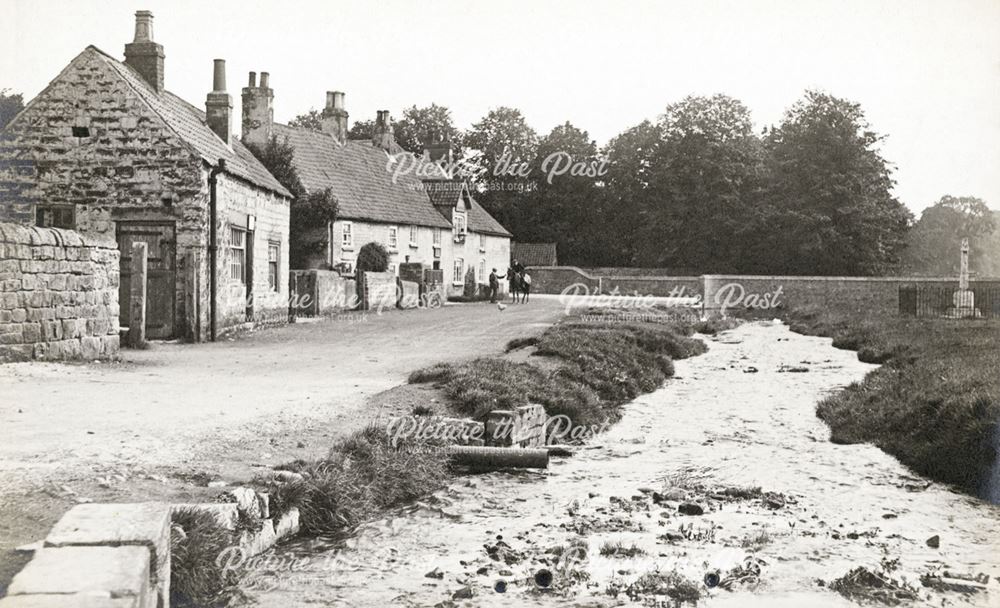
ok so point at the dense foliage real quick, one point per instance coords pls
(373, 257)
(310, 212)
(10, 105)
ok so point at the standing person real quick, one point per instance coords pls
(494, 286)
(526, 284)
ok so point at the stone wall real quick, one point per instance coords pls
(652, 285)
(554, 279)
(58, 294)
(857, 294)
(377, 290)
(317, 293)
(522, 427)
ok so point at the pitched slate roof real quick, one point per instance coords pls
(534, 254)
(358, 174)
(189, 124)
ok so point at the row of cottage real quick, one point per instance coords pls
(106, 149)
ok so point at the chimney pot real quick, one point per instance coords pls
(143, 26)
(338, 100)
(219, 76)
(253, 80)
(265, 80)
(329, 99)
(219, 105)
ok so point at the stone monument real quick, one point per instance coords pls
(963, 301)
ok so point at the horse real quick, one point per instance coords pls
(516, 283)
(518, 286)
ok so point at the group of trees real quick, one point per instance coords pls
(695, 191)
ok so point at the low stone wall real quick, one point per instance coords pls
(376, 290)
(652, 286)
(859, 294)
(554, 279)
(317, 293)
(58, 294)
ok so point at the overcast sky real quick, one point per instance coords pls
(927, 73)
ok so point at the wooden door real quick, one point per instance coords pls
(160, 274)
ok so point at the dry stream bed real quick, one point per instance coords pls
(720, 485)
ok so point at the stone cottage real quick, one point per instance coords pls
(106, 149)
(421, 216)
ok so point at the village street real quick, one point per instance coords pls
(150, 426)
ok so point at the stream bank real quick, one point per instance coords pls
(734, 434)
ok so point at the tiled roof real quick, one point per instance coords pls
(189, 123)
(358, 174)
(444, 195)
(534, 254)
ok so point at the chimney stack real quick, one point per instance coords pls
(258, 110)
(334, 116)
(219, 105)
(438, 151)
(382, 136)
(143, 55)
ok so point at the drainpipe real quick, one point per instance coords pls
(213, 246)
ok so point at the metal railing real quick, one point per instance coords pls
(937, 301)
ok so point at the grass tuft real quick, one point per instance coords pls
(197, 578)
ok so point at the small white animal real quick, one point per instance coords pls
(501, 306)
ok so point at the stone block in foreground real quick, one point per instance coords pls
(102, 572)
(142, 524)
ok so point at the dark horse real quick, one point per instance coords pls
(518, 286)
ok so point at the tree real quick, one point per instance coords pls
(629, 196)
(10, 105)
(933, 243)
(310, 213)
(361, 129)
(312, 120)
(698, 183)
(567, 201)
(419, 126)
(496, 147)
(830, 188)
(373, 257)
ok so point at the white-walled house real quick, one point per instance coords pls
(433, 221)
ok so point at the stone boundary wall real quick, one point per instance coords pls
(118, 555)
(318, 293)
(58, 294)
(522, 427)
(861, 294)
(376, 290)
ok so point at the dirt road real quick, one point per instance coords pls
(147, 427)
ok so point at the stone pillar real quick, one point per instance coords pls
(137, 297)
(192, 316)
(963, 267)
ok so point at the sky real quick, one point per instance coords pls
(927, 73)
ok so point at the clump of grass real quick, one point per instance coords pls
(197, 577)
(864, 585)
(619, 549)
(935, 402)
(363, 475)
(756, 540)
(422, 410)
(715, 325)
(672, 584)
(602, 365)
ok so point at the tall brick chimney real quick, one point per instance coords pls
(382, 136)
(219, 105)
(438, 151)
(258, 110)
(334, 116)
(144, 55)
